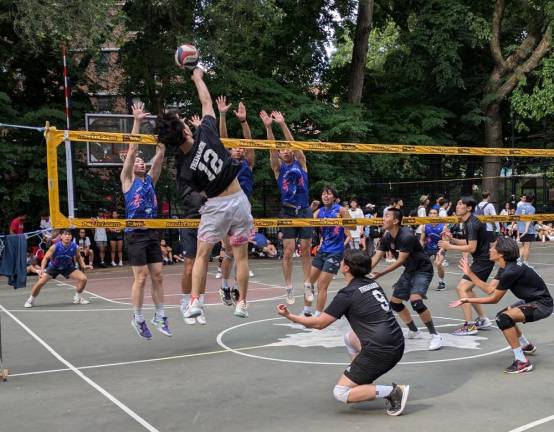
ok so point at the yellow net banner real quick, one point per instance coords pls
(57, 136)
(61, 221)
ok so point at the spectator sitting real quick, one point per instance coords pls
(167, 253)
(262, 245)
(83, 242)
(32, 263)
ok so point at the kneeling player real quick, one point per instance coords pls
(535, 299)
(376, 342)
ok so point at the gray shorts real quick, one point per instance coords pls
(412, 283)
(228, 215)
(101, 243)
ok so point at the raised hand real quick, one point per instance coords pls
(241, 112)
(278, 117)
(222, 106)
(266, 119)
(195, 121)
(138, 111)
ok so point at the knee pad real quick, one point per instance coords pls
(418, 306)
(351, 350)
(341, 393)
(397, 307)
(504, 321)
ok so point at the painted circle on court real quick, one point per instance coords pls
(239, 351)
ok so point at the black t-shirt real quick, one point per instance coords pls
(208, 166)
(474, 229)
(366, 308)
(406, 241)
(524, 282)
(189, 201)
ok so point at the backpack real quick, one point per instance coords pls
(481, 210)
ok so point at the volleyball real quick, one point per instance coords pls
(186, 56)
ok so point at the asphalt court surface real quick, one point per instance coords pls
(82, 367)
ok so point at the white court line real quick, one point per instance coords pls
(81, 375)
(136, 361)
(533, 424)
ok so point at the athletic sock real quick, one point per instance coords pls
(307, 309)
(441, 280)
(317, 313)
(518, 354)
(185, 299)
(201, 298)
(431, 327)
(160, 311)
(523, 340)
(382, 391)
(139, 317)
(225, 283)
(412, 326)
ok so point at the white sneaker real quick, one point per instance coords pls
(189, 321)
(218, 275)
(414, 335)
(114, 264)
(309, 293)
(120, 264)
(436, 342)
(290, 295)
(28, 303)
(241, 310)
(193, 310)
(77, 299)
(250, 273)
(483, 323)
(201, 319)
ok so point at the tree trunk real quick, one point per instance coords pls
(493, 138)
(364, 23)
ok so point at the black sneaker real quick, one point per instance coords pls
(235, 295)
(529, 349)
(441, 287)
(307, 313)
(518, 367)
(396, 401)
(103, 265)
(225, 295)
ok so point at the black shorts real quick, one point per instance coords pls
(55, 271)
(143, 247)
(482, 269)
(371, 363)
(527, 238)
(189, 241)
(296, 233)
(115, 236)
(533, 311)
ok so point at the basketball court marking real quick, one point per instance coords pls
(220, 342)
(81, 375)
(533, 424)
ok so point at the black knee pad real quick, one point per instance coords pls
(504, 321)
(418, 306)
(397, 307)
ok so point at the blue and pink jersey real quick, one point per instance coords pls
(293, 184)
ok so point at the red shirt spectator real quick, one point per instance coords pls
(16, 227)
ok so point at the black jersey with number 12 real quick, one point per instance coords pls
(208, 166)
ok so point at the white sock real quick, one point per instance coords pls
(523, 340)
(317, 313)
(31, 299)
(382, 391)
(441, 280)
(225, 283)
(160, 311)
(201, 298)
(139, 317)
(308, 309)
(518, 354)
(185, 299)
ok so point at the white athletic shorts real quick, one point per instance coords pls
(228, 215)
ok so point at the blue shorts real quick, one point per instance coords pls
(189, 241)
(55, 271)
(412, 283)
(296, 232)
(327, 262)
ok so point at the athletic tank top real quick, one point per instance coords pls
(63, 256)
(333, 237)
(432, 237)
(140, 200)
(293, 184)
(246, 178)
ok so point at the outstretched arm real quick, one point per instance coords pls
(274, 160)
(203, 92)
(241, 116)
(222, 107)
(157, 162)
(298, 154)
(320, 322)
(127, 171)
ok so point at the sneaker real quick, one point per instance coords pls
(120, 264)
(289, 294)
(193, 310)
(445, 263)
(142, 329)
(309, 293)
(103, 264)
(28, 304)
(240, 310)
(114, 264)
(162, 325)
(307, 312)
(225, 295)
(529, 349)
(483, 323)
(201, 319)
(235, 295)
(250, 273)
(189, 321)
(436, 342)
(518, 367)
(467, 329)
(77, 299)
(414, 335)
(218, 275)
(396, 401)
(441, 287)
